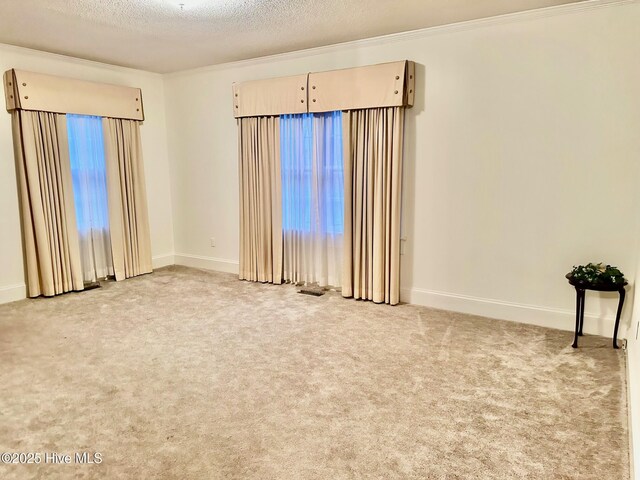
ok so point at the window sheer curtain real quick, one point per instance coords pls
(312, 197)
(51, 250)
(86, 151)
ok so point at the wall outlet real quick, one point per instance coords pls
(403, 242)
(212, 240)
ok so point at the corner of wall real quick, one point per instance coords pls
(633, 373)
(164, 260)
(633, 379)
(13, 293)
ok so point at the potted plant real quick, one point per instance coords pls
(596, 275)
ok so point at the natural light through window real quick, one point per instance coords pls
(86, 150)
(312, 173)
(88, 171)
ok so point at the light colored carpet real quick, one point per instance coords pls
(188, 374)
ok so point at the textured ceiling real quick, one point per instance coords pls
(156, 35)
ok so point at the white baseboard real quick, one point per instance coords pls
(208, 263)
(12, 293)
(521, 313)
(633, 382)
(163, 260)
(515, 312)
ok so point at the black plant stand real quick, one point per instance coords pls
(581, 287)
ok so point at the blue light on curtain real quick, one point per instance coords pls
(312, 172)
(296, 164)
(312, 197)
(330, 165)
(86, 151)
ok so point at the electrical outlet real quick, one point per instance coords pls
(403, 241)
(213, 241)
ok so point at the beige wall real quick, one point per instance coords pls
(522, 158)
(154, 146)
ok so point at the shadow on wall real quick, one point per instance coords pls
(609, 306)
(407, 228)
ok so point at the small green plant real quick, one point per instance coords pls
(596, 274)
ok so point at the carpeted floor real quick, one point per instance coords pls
(188, 374)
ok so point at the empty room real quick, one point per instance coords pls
(309, 240)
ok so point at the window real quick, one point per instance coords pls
(312, 173)
(312, 197)
(86, 151)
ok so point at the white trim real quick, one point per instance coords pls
(208, 263)
(534, 14)
(12, 293)
(633, 395)
(515, 312)
(163, 260)
(77, 60)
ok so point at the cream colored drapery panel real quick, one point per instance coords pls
(373, 180)
(260, 199)
(51, 249)
(128, 214)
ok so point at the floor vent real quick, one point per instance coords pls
(315, 291)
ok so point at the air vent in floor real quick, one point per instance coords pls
(311, 290)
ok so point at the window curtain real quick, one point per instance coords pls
(260, 199)
(373, 180)
(86, 151)
(312, 196)
(51, 249)
(128, 215)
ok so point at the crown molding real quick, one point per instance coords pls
(5, 47)
(540, 13)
